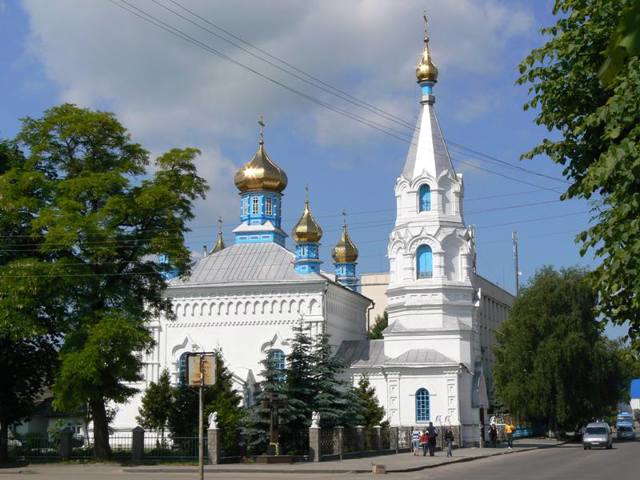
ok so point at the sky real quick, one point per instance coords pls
(171, 93)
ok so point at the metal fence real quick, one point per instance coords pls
(157, 447)
(327, 441)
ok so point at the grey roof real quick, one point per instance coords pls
(428, 150)
(370, 353)
(246, 263)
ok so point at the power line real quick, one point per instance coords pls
(144, 15)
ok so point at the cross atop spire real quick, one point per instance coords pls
(426, 35)
(262, 125)
(219, 224)
(344, 217)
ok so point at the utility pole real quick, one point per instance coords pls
(514, 237)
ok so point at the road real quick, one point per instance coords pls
(564, 462)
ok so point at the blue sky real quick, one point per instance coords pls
(171, 93)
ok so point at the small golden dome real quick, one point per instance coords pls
(261, 173)
(426, 71)
(307, 229)
(345, 251)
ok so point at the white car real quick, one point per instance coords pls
(597, 434)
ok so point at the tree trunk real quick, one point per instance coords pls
(4, 442)
(101, 447)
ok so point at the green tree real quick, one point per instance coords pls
(271, 390)
(157, 402)
(595, 135)
(330, 396)
(26, 369)
(221, 398)
(381, 322)
(96, 228)
(553, 363)
(372, 411)
(298, 388)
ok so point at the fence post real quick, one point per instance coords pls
(359, 438)
(214, 445)
(314, 444)
(338, 441)
(65, 443)
(393, 438)
(378, 430)
(137, 444)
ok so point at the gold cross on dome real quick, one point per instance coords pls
(219, 224)
(344, 217)
(262, 125)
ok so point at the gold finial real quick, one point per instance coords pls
(345, 250)
(307, 229)
(220, 241)
(426, 71)
(262, 125)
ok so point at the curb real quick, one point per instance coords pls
(178, 470)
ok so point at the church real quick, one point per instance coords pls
(433, 363)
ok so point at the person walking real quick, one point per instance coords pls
(448, 437)
(415, 441)
(509, 428)
(493, 435)
(424, 442)
(433, 435)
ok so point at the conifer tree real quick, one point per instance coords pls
(157, 403)
(298, 387)
(369, 407)
(271, 388)
(381, 322)
(331, 392)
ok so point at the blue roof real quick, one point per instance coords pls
(635, 388)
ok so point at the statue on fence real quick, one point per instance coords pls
(315, 419)
(213, 421)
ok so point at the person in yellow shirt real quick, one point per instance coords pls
(509, 428)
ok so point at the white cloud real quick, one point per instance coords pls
(170, 93)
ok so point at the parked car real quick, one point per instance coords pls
(597, 434)
(625, 432)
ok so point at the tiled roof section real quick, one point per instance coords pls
(428, 150)
(370, 353)
(246, 263)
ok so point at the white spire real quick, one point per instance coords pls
(428, 151)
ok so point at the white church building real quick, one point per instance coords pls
(245, 298)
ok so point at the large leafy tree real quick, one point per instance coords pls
(553, 363)
(28, 339)
(96, 228)
(585, 83)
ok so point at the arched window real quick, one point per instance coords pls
(422, 405)
(182, 368)
(277, 361)
(424, 262)
(425, 198)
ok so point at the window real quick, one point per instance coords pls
(268, 209)
(277, 362)
(245, 206)
(182, 368)
(256, 205)
(424, 262)
(424, 195)
(422, 405)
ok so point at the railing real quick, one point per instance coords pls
(171, 448)
(327, 442)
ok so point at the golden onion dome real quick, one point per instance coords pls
(345, 251)
(426, 71)
(307, 229)
(260, 173)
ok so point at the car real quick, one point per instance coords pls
(625, 432)
(597, 434)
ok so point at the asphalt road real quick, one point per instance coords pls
(564, 462)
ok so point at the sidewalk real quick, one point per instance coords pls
(403, 462)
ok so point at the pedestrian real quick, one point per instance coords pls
(448, 437)
(424, 442)
(493, 435)
(433, 434)
(415, 441)
(509, 428)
